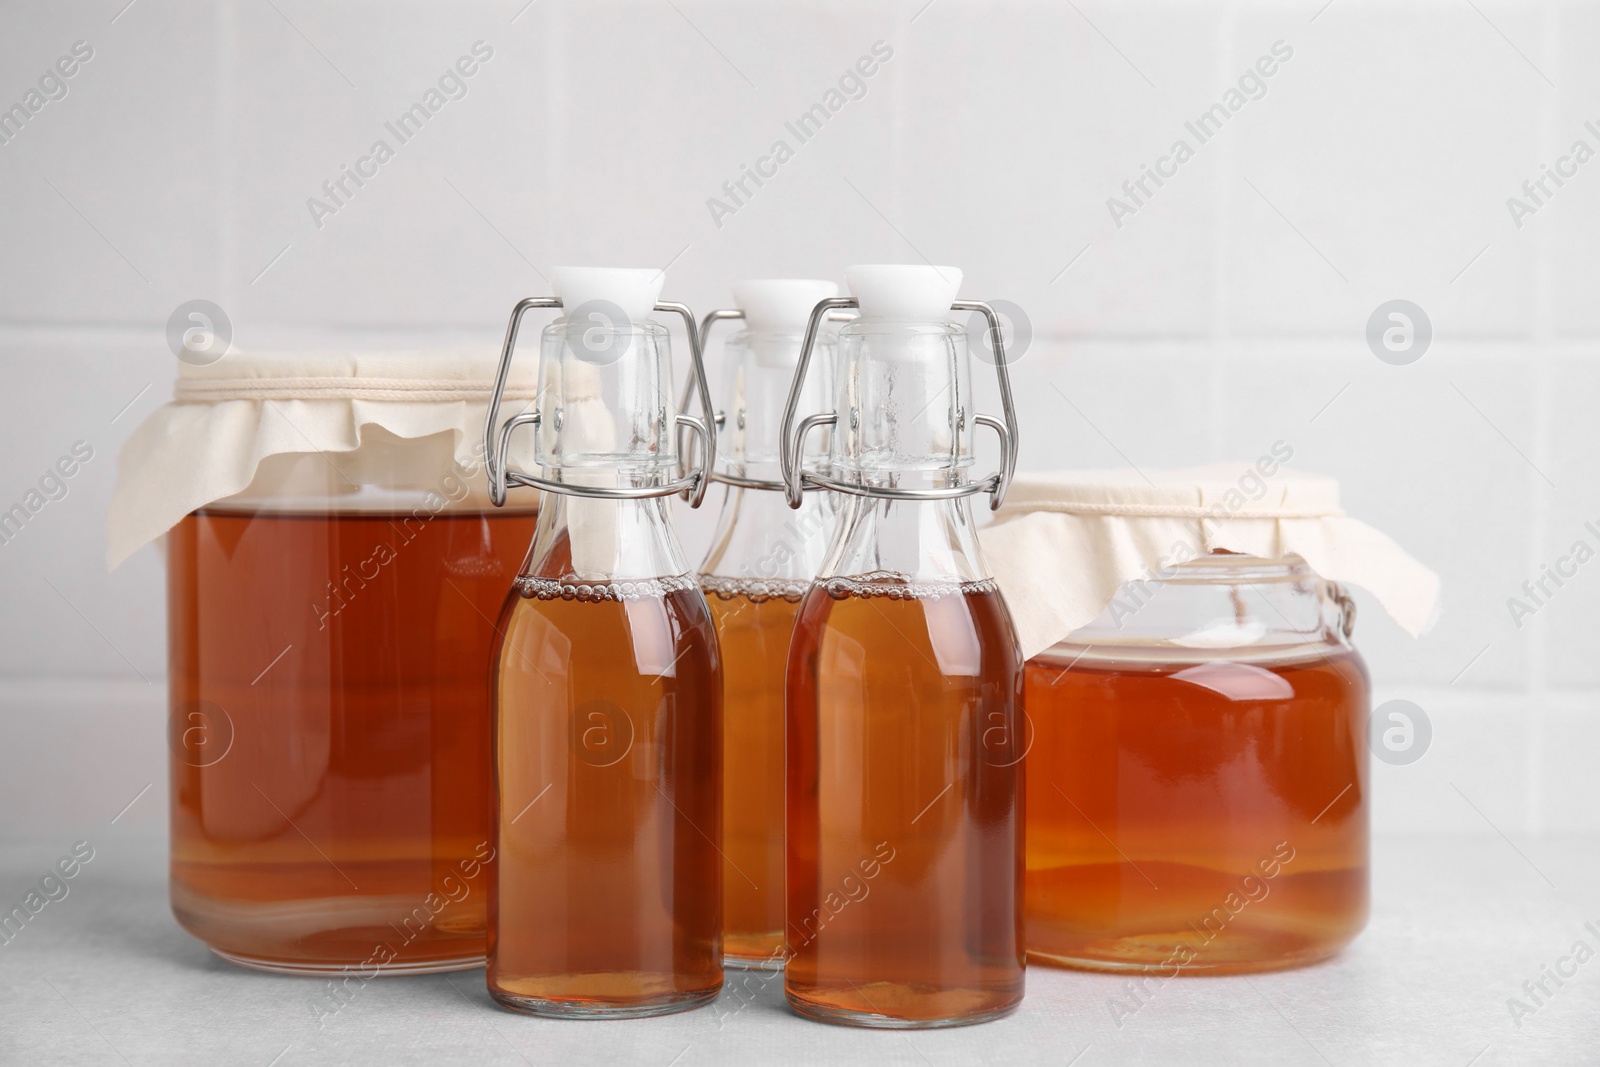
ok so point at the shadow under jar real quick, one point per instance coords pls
(1197, 790)
(331, 630)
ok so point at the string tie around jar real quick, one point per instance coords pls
(398, 390)
(1184, 511)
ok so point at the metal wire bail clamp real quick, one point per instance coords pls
(692, 484)
(796, 479)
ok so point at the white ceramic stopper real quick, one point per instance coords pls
(780, 305)
(904, 292)
(634, 290)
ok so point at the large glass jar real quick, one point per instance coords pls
(1197, 787)
(330, 636)
(335, 573)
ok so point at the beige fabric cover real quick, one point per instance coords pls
(1065, 542)
(226, 418)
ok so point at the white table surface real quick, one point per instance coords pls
(106, 976)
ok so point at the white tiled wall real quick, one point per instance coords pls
(1226, 313)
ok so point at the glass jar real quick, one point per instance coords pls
(1197, 789)
(330, 636)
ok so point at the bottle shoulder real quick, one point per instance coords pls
(959, 628)
(646, 625)
(758, 536)
(624, 590)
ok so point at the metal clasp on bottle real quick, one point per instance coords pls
(796, 479)
(692, 484)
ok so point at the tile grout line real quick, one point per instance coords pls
(225, 106)
(1537, 680)
(1543, 403)
(1323, 344)
(557, 131)
(899, 90)
(1221, 316)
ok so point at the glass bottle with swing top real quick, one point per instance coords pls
(606, 901)
(904, 688)
(760, 563)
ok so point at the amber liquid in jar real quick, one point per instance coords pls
(330, 733)
(754, 620)
(1202, 816)
(607, 755)
(905, 794)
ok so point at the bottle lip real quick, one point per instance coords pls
(772, 350)
(780, 334)
(890, 327)
(602, 343)
(635, 326)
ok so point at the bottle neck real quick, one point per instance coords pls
(760, 537)
(760, 369)
(903, 402)
(606, 414)
(585, 540)
(922, 541)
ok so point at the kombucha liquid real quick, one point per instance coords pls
(754, 620)
(607, 755)
(905, 794)
(1219, 804)
(329, 730)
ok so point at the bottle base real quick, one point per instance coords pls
(549, 1008)
(753, 951)
(772, 964)
(393, 969)
(870, 1020)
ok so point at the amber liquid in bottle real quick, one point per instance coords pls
(607, 755)
(754, 622)
(1209, 816)
(905, 804)
(330, 733)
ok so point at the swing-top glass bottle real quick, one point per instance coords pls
(759, 566)
(905, 787)
(606, 896)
